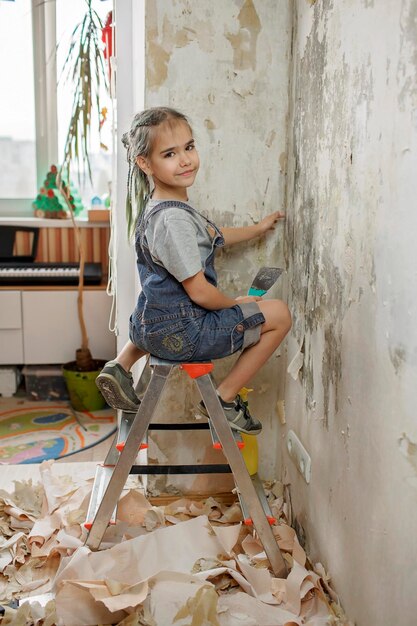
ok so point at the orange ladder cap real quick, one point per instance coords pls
(87, 525)
(195, 370)
(218, 445)
(120, 446)
(249, 522)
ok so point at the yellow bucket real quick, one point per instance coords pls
(250, 453)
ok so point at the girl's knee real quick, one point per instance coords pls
(277, 315)
(284, 315)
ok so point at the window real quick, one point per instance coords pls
(32, 137)
(17, 102)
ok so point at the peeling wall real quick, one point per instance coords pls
(226, 65)
(352, 258)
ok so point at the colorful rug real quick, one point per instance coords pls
(32, 432)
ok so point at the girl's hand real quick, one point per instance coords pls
(248, 298)
(268, 222)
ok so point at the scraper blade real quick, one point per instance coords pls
(264, 280)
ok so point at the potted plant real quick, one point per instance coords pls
(86, 69)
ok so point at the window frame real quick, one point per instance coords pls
(46, 116)
(44, 47)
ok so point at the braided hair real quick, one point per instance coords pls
(138, 142)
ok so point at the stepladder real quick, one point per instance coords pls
(120, 462)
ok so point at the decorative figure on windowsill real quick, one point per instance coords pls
(50, 202)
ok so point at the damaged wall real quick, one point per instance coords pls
(226, 66)
(352, 260)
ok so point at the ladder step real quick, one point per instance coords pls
(216, 441)
(247, 520)
(180, 426)
(209, 468)
(126, 425)
(101, 480)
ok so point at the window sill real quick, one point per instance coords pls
(40, 222)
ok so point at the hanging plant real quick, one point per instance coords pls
(85, 68)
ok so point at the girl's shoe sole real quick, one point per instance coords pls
(114, 394)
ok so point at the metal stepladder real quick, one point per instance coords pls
(111, 477)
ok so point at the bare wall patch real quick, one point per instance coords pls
(409, 449)
(245, 40)
(398, 356)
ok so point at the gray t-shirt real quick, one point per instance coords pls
(178, 240)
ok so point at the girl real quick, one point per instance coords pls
(181, 315)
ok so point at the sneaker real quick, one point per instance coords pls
(238, 416)
(116, 386)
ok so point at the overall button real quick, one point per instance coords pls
(240, 328)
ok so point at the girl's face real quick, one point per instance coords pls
(173, 162)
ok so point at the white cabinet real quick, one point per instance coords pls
(11, 333)
(39, 326)
(10, 310)
(11, 347)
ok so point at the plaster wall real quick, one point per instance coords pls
(352, 259)
(226, 66)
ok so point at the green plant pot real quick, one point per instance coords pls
(82, 389)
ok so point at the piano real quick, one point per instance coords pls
(49, 273)
(23, 270)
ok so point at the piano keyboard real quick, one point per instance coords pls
(48, 273)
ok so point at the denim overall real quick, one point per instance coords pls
(169, 325)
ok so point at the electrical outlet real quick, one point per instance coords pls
(299, 455)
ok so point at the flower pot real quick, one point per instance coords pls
(83, 392)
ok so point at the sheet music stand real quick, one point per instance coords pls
(8, 240)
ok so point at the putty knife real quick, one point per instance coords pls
(264, 280)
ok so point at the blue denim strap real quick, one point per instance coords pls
(166, 204)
